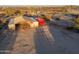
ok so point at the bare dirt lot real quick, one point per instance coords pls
(45, 39)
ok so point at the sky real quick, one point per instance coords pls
(39, 2)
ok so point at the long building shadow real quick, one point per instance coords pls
(44, 45)
(59, 40)
(6, 44)
(64, 44)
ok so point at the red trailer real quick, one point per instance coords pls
(41, 21)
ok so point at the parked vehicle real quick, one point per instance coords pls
(70, 22)
(65, 21)
(11, 25)
(31, 22)
(41, 21)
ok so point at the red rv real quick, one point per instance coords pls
(40, 20)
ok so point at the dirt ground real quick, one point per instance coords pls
(43, 40)
(24, 42)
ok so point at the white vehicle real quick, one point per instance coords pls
(11, 24)
(23, 22)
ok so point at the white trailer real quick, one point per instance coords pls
(23, 21)
(11, 24)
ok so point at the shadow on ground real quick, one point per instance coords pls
(44, 46)
(60, 44)
(64, 41)
(7, 43)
